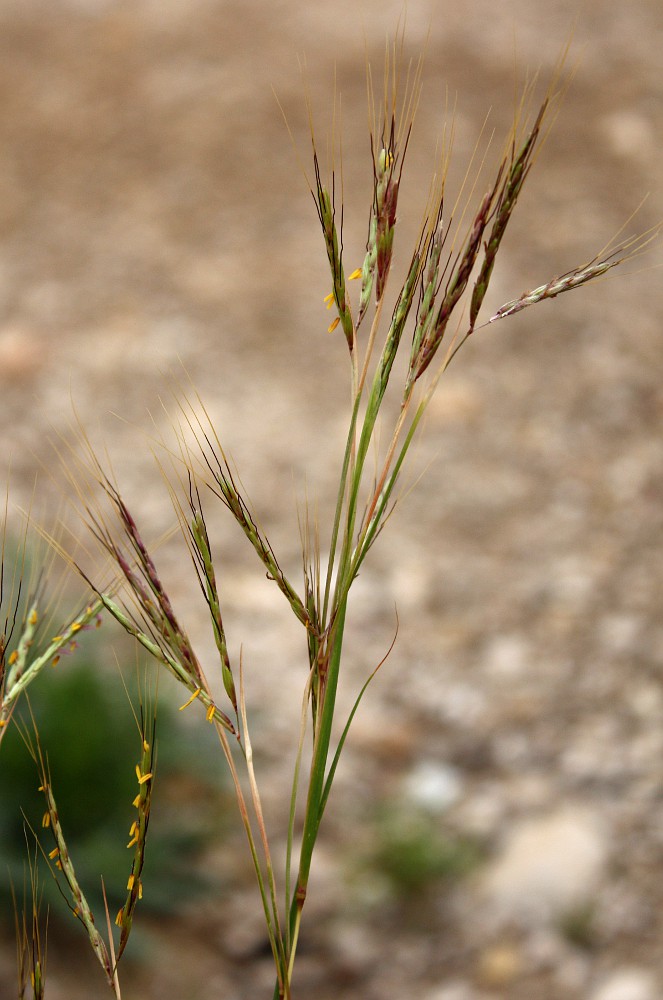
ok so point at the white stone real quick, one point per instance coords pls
(628, 984)
(629, 133)
(457, 990)
(433, 786)
(507, 656)
(548, 866)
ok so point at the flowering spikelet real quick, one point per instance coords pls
(31, 655)
(60, 854)
(138, 835)
(162, 615)
(564, 283)
(324, 202)
(386, 199)
(429, 288)
(515, 178)
(458, 281)
(207, 578)
(398, 320)
(225, 488)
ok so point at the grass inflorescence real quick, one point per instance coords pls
(436, 309)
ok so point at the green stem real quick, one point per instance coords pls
(316, 797)
(349, 446)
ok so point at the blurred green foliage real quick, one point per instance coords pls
(578, 926)
(90, 739)
(414, 852)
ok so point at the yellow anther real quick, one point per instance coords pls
(54, 853)
(119, 918)
(332, 326)
(209, 714)
(13, 657)
(76, 627)
(46, 820)
(192, 698)
(130, 883)
(355, 274)
(32, 620)
(329, 300)
(385, 160)
(142, 778)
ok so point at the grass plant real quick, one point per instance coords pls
(433, 313)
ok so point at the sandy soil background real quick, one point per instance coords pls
(153, 216)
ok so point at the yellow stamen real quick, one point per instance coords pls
(385, 160)
(192, 698)
(76, 627)
(13, 657)
(32, 620)
(56, 660)
(329, 300)
(134, 840)
(332, 326)
(146, 746)
(142, 778)
(136, 801)
(355, 274)
(130, 883)
(57, 638)
(118, 920)
(140, 890)
(3, 722)
(46, 820)
(209, 714)
(133, 828)
(54, 853)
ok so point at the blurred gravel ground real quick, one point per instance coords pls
(152, 217)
